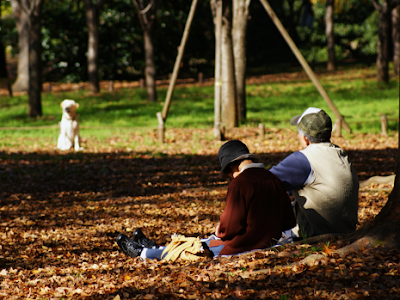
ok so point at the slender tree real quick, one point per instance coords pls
(382, 60)
(216, 10)
(239, 26)
(228, 90)
(330, 38)
(396, 38)
(35, 60)
(3, 62)
(21, 18)
(31, 12)
(147, 16)
(92, 21)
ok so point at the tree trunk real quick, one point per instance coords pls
(330, 39)
(150, 69)
(92, 21)
(228, 90)
(382, 58)
(239, 26)
(3, 62)
(216, 10)
(147, 15)
(396, 38)
(22, 23)
(35, 65)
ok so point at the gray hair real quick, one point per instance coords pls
(312, 139)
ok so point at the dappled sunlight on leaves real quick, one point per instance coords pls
(60, 213)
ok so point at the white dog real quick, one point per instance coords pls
(69, 126)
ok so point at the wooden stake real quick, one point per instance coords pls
(262, 131)
(384, 125)
(161, 128)
(337, 128)
(200, 78)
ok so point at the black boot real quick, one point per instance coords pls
(140, 238)
(129, 246)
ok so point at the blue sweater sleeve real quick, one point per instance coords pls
(293, 171)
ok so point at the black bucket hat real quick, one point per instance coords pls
(232, 151)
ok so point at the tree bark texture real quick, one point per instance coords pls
(239, 27)
(330, 38)
(382, 58)
(92, 21)
(150, 69)
(3, 62)
(21, 18)
(147, 15)
(396, 38)
(216, 10)
(228, 90)
(35, 62)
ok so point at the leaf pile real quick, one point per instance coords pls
(60, 213)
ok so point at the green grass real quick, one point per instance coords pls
(354, 92)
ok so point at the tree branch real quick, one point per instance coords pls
(140, 16)
(146, 9)
(377, 6)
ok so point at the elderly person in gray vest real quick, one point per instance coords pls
(321, 179)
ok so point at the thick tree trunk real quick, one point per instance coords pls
(35, 65)
(239, 26)
(92, 21)
(150, 69)
(330, 38)
(228, 90)
(382, 58)
(396, 38)
(21, 18)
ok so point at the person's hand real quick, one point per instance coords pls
(217, 230)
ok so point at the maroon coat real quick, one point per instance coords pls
(257, 211)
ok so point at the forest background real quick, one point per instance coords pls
(121, 56)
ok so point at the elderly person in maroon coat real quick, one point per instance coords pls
(257, 209)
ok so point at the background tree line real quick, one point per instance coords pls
(121, 31)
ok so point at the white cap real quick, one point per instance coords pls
(296, 119)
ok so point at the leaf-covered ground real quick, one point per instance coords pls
(61, 212)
